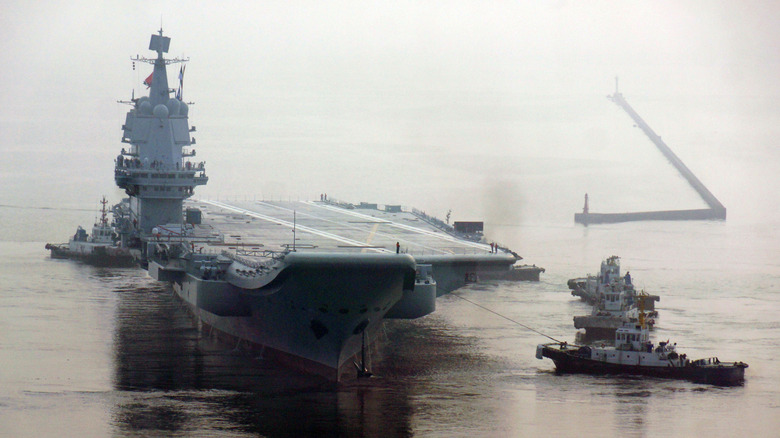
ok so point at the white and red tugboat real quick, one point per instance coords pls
(634, 354)
(101, 248)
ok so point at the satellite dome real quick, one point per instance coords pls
(173, 106)
(145, 108)
(160, 111)
(184, 109)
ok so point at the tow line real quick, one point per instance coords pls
(506, 318)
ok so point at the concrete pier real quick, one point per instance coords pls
(716, 210)
(662, 215)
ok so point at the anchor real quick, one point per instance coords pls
(362, 370)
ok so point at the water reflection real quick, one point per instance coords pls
(171, 378)
(633, 397)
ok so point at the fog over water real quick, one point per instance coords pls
(440, 105)
(494, 110)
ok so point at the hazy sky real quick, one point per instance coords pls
(722, 47)
(67, 62)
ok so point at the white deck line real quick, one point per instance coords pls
(442, 236)
(373, 220)
(291, 225)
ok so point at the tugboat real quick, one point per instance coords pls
(615, 308)
(99, 248)
(591, 289)
(634, 354)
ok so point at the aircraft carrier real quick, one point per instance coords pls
(307, 283)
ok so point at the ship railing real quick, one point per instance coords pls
(265, 253)
(175, 177)
(205, 251)
(707, 361)
(453, 250)
(256, 264)
(436, 222)
(134, 171)
(338, 203)
(135, 164)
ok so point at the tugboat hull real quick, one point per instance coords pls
(101, 256)
(515, 273)
(572, 359)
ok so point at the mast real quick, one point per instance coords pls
(641, 296)
(158, 93)
(103, 217)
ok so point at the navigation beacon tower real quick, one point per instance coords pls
(156, 171)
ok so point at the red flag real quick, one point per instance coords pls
(148, 81)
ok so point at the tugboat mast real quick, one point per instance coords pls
(103, 217)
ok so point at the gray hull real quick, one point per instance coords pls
(454, 271)
(311, 316)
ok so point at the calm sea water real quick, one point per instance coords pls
(88, 351)
(109, 352)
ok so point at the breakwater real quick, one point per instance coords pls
(716, 210)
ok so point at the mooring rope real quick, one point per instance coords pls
(507, 318)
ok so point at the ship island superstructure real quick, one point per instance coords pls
(156, 171)
(308, 283)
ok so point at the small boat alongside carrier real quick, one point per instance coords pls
(99, 248)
